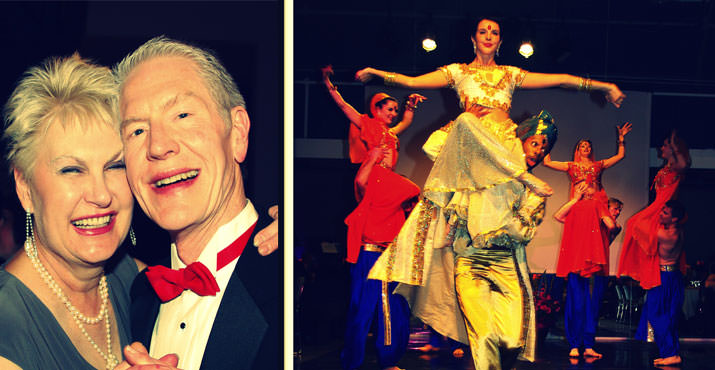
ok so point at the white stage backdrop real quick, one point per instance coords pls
(577, 116)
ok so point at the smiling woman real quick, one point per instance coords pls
(62, 305)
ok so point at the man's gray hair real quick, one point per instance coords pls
(218, 81)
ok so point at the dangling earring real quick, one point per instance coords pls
(474, 45)
(498, 47)
(30, 235)
(132, 236)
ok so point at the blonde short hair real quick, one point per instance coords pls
(68, 90)
(218, 81)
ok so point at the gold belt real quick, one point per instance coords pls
(373, 247)
(667, 268)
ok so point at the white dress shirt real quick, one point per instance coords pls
(184, 323)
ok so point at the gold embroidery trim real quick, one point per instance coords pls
(448, 76)
(418, 249)
(372, 247)
(386, 314)
(667, 268)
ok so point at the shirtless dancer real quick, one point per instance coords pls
(664, 301)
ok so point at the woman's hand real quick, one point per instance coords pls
(364, 75)
(671, 139)
(266, 240)
(623, 130)
(615, 96)
(327, 72)
(414, 99)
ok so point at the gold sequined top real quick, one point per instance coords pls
(490, 86)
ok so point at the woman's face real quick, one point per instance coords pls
(387, 113)
(488, 37)
(665, 150)
(534, 147)
(79, 193)
(584, 149)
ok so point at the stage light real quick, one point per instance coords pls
(429, 43)
(526, 49)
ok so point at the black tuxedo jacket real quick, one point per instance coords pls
(247, 331)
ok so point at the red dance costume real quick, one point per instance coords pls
(639, 257)
(584, 244)
(380, 214)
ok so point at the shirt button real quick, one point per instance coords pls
(182, 325)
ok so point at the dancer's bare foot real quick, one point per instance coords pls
(458, 353)
(589, 352)
(573, 361)
(574, 352)
(536, 185)
(428, 348)
(672, 360)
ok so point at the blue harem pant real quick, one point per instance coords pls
(662, 309)
(581, 311)
(366, 304)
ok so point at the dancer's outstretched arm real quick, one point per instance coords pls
(622, 131)
(543, 80)
(350, 112)
(432, 80)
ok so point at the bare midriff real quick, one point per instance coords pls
(494, 114)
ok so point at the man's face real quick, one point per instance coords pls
(615, 210)
(182, 159)
(534, 147)
(666, 216)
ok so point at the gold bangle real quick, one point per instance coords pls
(580, 83)
(410, 106)
(390, 79)
(588, 85)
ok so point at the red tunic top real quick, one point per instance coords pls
(380, 214)
(639, 257)
(584, 244)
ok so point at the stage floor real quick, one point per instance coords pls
(618, 353)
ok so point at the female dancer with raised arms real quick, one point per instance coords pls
(474, 191)
(381, 196)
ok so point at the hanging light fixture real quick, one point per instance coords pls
(429, 43)
(526, 49)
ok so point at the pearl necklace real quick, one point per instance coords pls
(79, 318)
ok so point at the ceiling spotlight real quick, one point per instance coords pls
(526, 49)
(429, 43)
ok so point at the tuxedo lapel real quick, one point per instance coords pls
(144, 309)
(240, 326)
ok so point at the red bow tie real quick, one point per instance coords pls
(169, 283)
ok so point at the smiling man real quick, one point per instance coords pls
(185, 131)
